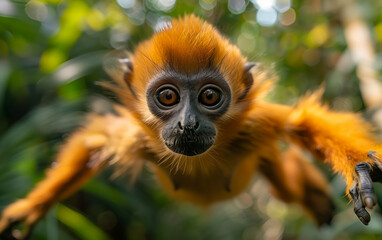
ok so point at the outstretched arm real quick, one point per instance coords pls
(71, 171)
(341, 139)
(344, 140)
(81, 157)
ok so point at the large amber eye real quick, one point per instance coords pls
(168, 97)
(210, 97)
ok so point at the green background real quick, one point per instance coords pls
(51, 58)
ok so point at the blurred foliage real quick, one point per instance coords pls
(50, 59)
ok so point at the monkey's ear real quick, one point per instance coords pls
(127, 62)
(247, 79)
(119, 67)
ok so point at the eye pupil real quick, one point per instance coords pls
(168, 95)
(209, 94)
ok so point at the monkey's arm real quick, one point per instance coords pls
(342, 139)
(294, 179)
(71, 171)
(82, 156)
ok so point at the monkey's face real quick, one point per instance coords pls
(188, 105)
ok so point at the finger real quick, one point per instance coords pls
(359, 208)
(365, 185)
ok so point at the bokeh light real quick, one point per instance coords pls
(236, 6)
(166, 5)
(162, 5)
(266, 17)
(48, 41)
(36, 10)
(317, 36)
(126, 3)
(288, 18)
(378, 32)
(282, 5)
(270, 10)
(208, 4)
(136, 14)
(264, 4)
(6, 8)
(119, 36)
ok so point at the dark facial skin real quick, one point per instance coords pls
(189, 105)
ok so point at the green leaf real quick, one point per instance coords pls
(79, 224)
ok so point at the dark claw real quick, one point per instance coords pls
(362, 191)
(365, 184)
(359, 207)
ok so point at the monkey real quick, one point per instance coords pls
(192, 108)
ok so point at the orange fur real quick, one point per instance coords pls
(295, 179)
(341, 139)
(246, 142)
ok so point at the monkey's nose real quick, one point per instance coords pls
(188, 126)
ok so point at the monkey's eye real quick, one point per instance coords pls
(210, 97)
(167, 97)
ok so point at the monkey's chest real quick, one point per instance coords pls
(204, 188)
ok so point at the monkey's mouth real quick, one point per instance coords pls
(190, 147)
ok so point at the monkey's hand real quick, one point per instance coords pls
(23, 211)
(362, 191)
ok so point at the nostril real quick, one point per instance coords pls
(180, 126)
(196, 126)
